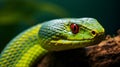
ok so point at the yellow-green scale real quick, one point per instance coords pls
(23, 50)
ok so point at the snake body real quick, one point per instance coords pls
(53, 35)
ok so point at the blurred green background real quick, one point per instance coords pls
(18, 15)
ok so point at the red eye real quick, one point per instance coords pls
(74, 28)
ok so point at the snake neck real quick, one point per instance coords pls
(21, 48)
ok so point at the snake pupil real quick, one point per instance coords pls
(74, 28)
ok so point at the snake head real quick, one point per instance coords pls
(70, 33)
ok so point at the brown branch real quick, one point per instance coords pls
(105, 54)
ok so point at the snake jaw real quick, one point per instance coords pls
(59, 45)
(76, 43)
(67, 42)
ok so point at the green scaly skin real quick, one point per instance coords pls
(54, 35)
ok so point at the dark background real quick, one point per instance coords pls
(18, 15)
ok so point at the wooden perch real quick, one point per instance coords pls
(104, 54)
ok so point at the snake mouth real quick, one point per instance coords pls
(58, 45)
(65, 41)
(71, 42)
(66, 44)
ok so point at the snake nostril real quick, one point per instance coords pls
(93, 32)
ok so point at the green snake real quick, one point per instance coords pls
(54, 35)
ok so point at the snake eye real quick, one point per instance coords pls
(74, 28)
